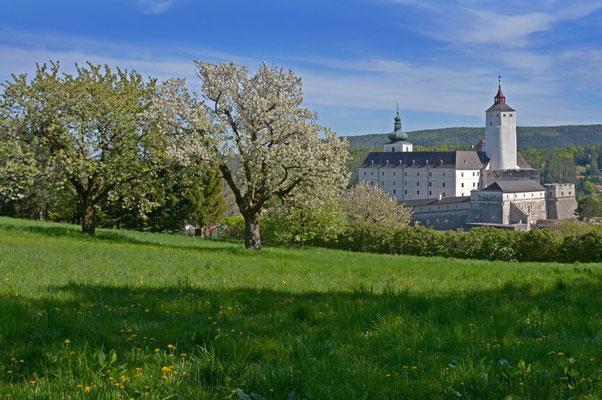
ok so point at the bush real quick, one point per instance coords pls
(539, 245)
(233, 228)
(583, 248)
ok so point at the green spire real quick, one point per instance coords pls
(397, 135)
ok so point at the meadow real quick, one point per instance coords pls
(149, 316)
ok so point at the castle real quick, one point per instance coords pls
(491, 185)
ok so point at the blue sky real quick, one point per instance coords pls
(439, 60)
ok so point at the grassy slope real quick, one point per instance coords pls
(324, 323)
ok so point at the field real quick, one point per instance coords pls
(147, 316)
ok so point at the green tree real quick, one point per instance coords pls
(588, 207)
(88, 132)
(589, 187)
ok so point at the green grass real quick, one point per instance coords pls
(201, 319)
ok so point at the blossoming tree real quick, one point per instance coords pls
(83, 131)
(254, 128)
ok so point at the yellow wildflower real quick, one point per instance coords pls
(67, 341)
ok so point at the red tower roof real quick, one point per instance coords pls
(499, 101)
(499, 97)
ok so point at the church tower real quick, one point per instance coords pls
(500, 133)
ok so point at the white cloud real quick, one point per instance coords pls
(155, 6)
(508, 24)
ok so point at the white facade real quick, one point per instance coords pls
(500, 139)
(422, 183)
(398, 146)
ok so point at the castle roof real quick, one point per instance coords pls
(500, 107)
(435, 201)
(514, 187)
(426, 159)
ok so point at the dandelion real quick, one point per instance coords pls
(79, 386)
(166, 369)
(560, 353)
(157, 350)
(9, 372)
(387, 375)
(171, 346)
(67, 341)
(284, 282)
(32, 382)
(228, 379)
(183, 355)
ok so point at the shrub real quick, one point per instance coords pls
(233, 228)
(539, 245)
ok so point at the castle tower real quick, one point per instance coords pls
(500, 133)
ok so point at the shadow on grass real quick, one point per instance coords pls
(341, 340)
(122, 236)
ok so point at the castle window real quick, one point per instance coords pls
(474, 184)
(569, 193)
(406, 173)
(406, 183)
(430, 173)
(394, 191)
(364, 173)
(497, 115)
(418, 192)
(394, 173)
(392, 148)
(443, 184)
(490, 123)
(417, 183)
(462, 173)
(444, 174)
(472, 173)
(371, 173)
(504, 115)
(430, 194)
(372, 183)
(417, 173)
(393, 183)
(462, 184)
(430, 184)
(405, 192)
(562, 193)
(443, 194)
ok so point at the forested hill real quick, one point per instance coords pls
(536, 137)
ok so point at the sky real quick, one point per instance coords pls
(438, 60)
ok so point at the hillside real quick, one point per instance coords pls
(138, 315)
(544, 137)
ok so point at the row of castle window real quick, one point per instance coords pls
(430, 184)
(418, 173)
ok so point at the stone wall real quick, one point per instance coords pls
(560, 201)
(443, 220)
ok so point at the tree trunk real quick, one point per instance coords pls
(252, 238)
(89, 221)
